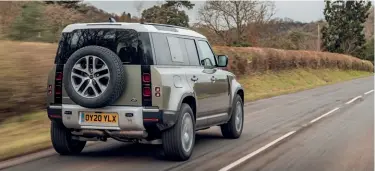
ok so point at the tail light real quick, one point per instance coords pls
(146, 91)
(146, 85)
(146, 78)
(58, 90)
(58, 84)
(59, 76)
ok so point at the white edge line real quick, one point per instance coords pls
(324, 115)
(355, 98)
(33, 156)
(369, 92)
(247, 157)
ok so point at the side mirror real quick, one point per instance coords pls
(222, 60)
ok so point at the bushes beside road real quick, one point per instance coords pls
(252, 60)
(24, 67)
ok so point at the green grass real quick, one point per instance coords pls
(24, 134)
(273, 84)
(30, 132)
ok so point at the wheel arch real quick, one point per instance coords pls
(238, 91)
(189, 98)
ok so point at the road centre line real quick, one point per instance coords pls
(324, 115)
(249, 156)
(254, 153)
(355, 98)
(369, 92)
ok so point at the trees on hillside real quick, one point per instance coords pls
(168, 13)
(224, 16)
(66, 4)
(369, 50)
(29, 24)
(56, 21)
(344, 32)
(9, 10)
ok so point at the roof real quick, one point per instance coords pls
(147, 27)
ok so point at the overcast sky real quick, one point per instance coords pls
(304, 11)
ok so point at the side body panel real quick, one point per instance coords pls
(217, 104)
(200, 84)
(176, 84)
(221, 98)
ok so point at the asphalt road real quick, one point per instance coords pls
(342, 140)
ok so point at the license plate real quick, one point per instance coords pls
(93, 117)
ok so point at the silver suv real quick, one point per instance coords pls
(137, 82)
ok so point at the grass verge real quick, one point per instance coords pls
(24, 134)
(277, 83)
(30, 132)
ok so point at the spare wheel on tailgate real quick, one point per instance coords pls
(94, 77)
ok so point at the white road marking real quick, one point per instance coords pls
(355, 98)
(369, 92)
(249, 156)
(324, 115)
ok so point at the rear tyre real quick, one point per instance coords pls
(233, 128)
(178, 141)
(62, 140)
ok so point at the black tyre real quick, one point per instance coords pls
(178, 141)
(94, 77)
(234, 127)
(62, 140)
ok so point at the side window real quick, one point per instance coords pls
(192, 52)
(176, 50)
(170, 50)
(162, 53)
(206, 54)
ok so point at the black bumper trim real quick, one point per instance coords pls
(162, 119)
(54, 112)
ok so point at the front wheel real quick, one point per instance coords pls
(233, 128)
(178, 141)
(62, 140)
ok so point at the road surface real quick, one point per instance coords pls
(341, 139)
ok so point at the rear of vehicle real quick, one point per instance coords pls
(102, 85)
(139, 82)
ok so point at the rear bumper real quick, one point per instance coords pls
(129, 118)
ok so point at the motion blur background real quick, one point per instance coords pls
(270, 54)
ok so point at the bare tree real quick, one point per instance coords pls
(57, 22)
(139, 7)
(369, 25)
(224, 16)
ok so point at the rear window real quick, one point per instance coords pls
(131, 46)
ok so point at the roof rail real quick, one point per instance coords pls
(167, 25)
(111, 20)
